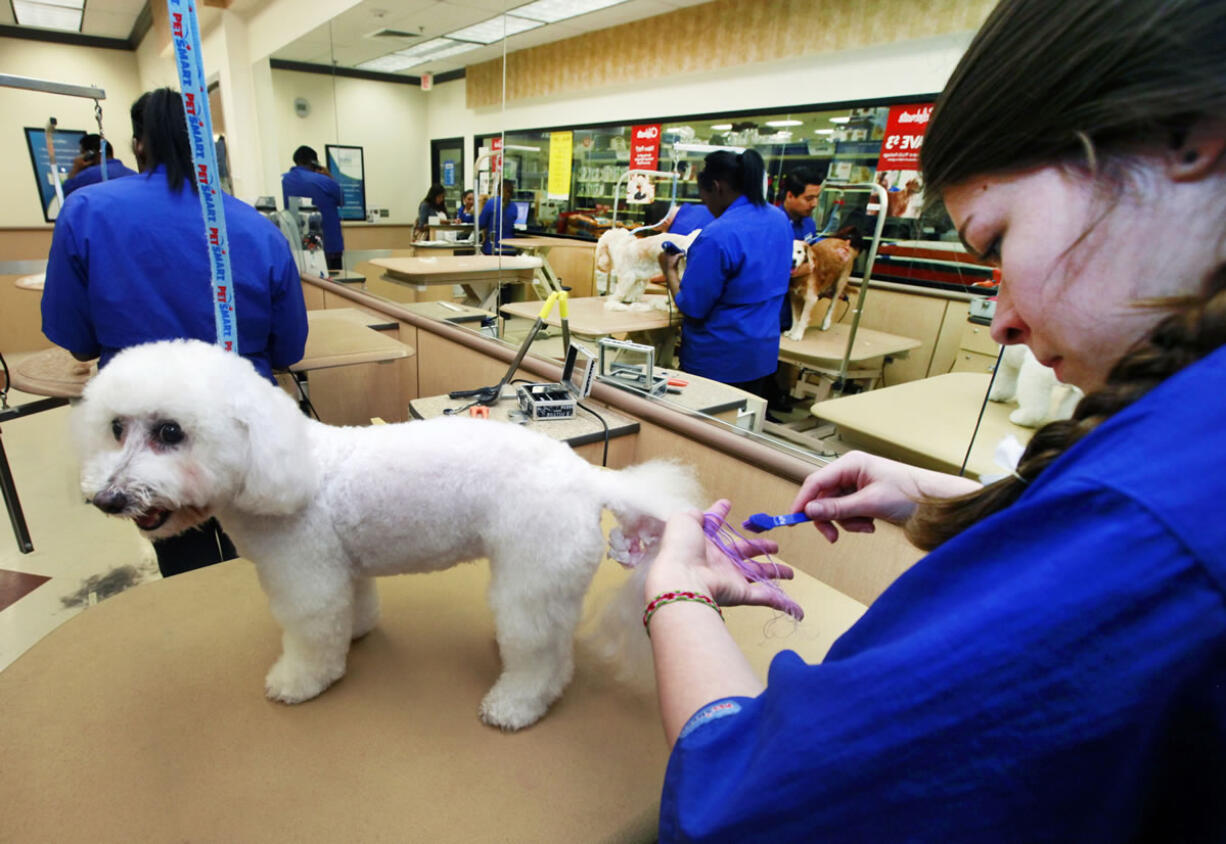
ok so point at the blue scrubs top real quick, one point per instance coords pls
(91, 175)
(128, 265)
(1055, 673)
(463, 216)
(325, 193)
(497, 225)
(736, 276)
(690, 216)
(802, 228)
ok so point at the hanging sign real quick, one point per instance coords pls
(561, 155)
(645, 146)
(904, 135)
(640, 190)
(185, 36)
(496, 157)
(348, 167)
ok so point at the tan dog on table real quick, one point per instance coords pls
(830, 261)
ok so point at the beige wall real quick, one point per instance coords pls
(114, 71)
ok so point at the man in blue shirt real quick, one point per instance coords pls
(497, 221)
(689, 216)
(798, 198)
(87, 167)
(308, 178)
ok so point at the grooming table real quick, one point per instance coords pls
(31, 282)
(589, 319)
(453, 312)
(479, 275)
(144, 719)
(822, 351)
(927, 423)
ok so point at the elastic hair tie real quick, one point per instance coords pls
(1019, 477)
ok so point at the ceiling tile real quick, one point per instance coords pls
(107, 24)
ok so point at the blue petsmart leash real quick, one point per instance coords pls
(185, 34)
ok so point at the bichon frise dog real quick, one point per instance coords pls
(172, 433)
(632, 262)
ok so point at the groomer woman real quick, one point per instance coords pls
(128, 265)
(736, 276)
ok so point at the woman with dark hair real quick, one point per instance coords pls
(434, 205)
(736, 277)
(465, 212)
(128, 265)
(1055, 668)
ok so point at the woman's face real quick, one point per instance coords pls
(468, 200)
(717, 198)
(1074, 261)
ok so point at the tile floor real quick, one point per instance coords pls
(80, 556)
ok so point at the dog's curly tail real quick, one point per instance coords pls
(642, 498)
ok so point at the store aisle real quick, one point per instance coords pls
(80, 556)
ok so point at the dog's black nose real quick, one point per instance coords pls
(111, 501)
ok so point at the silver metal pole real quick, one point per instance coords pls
(883, 207)
(29, 83)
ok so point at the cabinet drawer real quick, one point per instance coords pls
(978, 338)
(973, 362)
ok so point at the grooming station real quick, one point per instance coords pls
(159, 691)
(339, 337)
(927, 423)
(822, 352)
(479, 275)
(590, 320)
(539, 247)
(582, 432)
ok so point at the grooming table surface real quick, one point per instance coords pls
(463, 269)
(927, 423)
(589, 317)
(31, 282)
(580, 429)
(825, 349)
(545, 243)
(144, 719)
(448, 311)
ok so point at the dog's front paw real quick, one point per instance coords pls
(509, 709)
(291, 681)
(1027, 418)
(796, 335)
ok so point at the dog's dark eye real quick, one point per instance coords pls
(168, 433)
(117, 429)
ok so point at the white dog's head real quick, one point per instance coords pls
(800, 254)
(168, 433)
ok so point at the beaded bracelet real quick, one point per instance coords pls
(672, 598)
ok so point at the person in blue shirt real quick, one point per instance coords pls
(497, 222)
(308, 178)
(690, 216)
(465, 213)
(87, 167)
(1054, 669)
(736, 277)
(798, 198)
(128, 265)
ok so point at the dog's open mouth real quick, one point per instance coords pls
(152, 519)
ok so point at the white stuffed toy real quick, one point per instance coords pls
(1021, 376)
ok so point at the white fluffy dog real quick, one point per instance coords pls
(1021, 376)
(172, 433)
(632, 262)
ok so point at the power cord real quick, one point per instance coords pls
(309, 408)
(604, 458)
(4, 394)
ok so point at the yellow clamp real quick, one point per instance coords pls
(563, 303)
(548, 306)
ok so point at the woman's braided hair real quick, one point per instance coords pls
(1084, 83)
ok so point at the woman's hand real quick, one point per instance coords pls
(859, 488)
(688, 561)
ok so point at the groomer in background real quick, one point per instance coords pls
(798, 197)
(497, 221)
(308, 178)
(736, 277)
(128, 265)
(87, 167)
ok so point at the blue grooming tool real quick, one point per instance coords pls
(759, 522)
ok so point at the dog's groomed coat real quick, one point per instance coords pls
(171, 433)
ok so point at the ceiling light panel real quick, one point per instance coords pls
(487, 32)
(436, 48)
(778, 123)
(552, 11)
(47, 15)
(388, 64)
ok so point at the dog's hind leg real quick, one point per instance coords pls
(365, 606)
(316, 612)
(536, 609)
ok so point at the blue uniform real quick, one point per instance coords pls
(802, 228)
(499, 224)
(690, 216)
(128, 265)
(736, 276)
(1055, 673)
(463, 216)
(93, 174)
(325, 193)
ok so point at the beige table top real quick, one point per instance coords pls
(459, 269)
(589, 317)
(539, 242)
(826, 348)
(31, 282)
(927, 423)
(448, 311)
(144, 719)
(337, 337)
(581, 429)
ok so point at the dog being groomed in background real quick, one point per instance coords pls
(172, 433)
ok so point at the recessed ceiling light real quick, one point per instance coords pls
(777, 123)
(840, 120)
(552, 11)
(388, 64)
(721, 127)
(487, 32)
(823, 131)
(49, 15)
(437, 48)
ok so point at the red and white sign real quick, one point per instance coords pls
(496, 154)
(645, 146)
(904, 135)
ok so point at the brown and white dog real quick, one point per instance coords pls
(830, 261)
